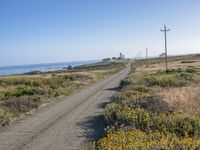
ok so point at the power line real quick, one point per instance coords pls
(165, 30)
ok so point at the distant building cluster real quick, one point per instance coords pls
(121, 57)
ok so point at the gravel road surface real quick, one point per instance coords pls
(63, 125)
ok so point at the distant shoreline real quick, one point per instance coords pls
(47, 67)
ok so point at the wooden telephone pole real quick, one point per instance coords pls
(165, 30)
(146, 53)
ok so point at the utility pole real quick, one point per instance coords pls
(146, 56)
(165, 33)
(146, 53)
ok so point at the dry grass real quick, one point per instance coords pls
(171, 65)
(184, 99)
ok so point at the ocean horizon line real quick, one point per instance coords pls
(42, 67)
(43, 63)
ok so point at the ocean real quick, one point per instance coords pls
(20, 69)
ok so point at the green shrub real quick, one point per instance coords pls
(5, 117)
(20, 105)
(24, 90)
(2, 95)
(110, 112)
(186, 76)
(165, 80)
(141, 88)
(135, 139)
(150, 103)
(173, 71)
(125, 82)
(137, 117)
(126, 116)
(178, 124)
(191, 70)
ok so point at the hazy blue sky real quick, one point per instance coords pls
(39, 31)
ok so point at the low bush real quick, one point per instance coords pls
(138, 140)
(174, 77)
(24, 90)
(5, 117)
(20, 105)
(186, 76)
(177, 123)
(151, 103)
(164, 80)
(191, 70)
(141, 88)
(125, 82)
(138, 118)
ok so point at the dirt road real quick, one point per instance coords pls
(66, 124)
